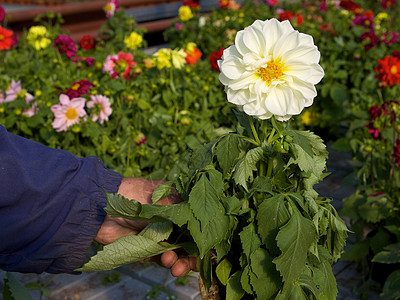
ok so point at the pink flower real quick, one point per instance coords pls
(65, 45)
(178, 26)
(31, 111)
(271, 2)
(67, 112)
(102, 108)
(111, 8)
(15, 90)
(119, 65)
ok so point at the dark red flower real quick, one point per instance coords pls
(375, 111)
(2, 14)
(396, 53)
(87, 42)
(371, 38)
(388, 3)
(390, 38)
(214, 58)
(350, 5)
(66, 45)
(79, 88)
(191, 3)
(396, 153)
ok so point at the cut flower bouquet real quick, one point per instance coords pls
(249, 211)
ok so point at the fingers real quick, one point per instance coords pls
(179, 266)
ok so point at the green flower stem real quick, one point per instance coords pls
(129, 150)
(254, 131)
(251, 141)
(271, 136)
(270, 166)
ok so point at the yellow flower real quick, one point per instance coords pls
(148, 63)
(162, 58)
(190, 48)
(133, 41)
(178, 58)
(185, 13)
(381, 17)
(37, 37)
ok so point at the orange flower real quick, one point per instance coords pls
(388, 71)
(5, 38)
(192, 56)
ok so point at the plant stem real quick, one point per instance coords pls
(271, 136)
(372, 172)
(253, 129)
(393, 159)
(270, 165)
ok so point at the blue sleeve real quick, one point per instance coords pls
(51, 205)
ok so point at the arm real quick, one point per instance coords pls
(51, 205)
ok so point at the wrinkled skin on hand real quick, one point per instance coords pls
(179, 263)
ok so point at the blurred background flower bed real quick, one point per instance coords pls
(142, 111)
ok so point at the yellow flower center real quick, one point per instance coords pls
(393, 70)
(76, 86)
(2, 37)
(272, 71)
(71, 114)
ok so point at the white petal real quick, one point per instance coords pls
(299, 70)
(306, 39)
(272, 31)
(279, 100)
(254, 109)
(286, 42)
(297, 105)
(239, 43)
(307, 89)
(232, 67)
(243, 82)
(239, 97)
(231, 51)
(317, 74)
(305, 54)
(254, 40)
(223, 79)
(283, 118)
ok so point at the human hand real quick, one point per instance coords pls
(141, 190)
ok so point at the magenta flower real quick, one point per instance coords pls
(178, 26)
(101, 108)
(371, 38)
(15, 90)
(2, 14)
(140, 139)
(271, 2)
(67, 112)
(365, 20)
(119, 65)
(390, 38)
(65, 45)
(79, 88)
(388, 3)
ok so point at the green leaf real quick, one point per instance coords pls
(119, 206)
(356, 252)
(264, 279)
(176, 213)
(205, 269)
(390, 255)
(14, 289)
(250, 240)
(294, 239)
(223, 271)
(162, 191)
(234, 290)
(208, 236)
(292, 292)
(245, 280)
(157, 231)
(204, 197)
(272, 214)
(232, 205)
(261, 184)
(325, 280)
(126, 250)
(391, 288)
(245, 167)
(228, 151)
(337, 232)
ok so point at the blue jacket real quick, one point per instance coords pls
(51, 205)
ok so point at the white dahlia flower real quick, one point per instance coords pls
(271, 70)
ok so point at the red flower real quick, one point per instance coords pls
(299, 19)
(6, 40)
(214, 58)
(87, 42)
(65, 44)
(191, 3)
(79, 88)
(286, 15)
(223, 3)
(350, 5)
(193, 57)
(388, 71)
